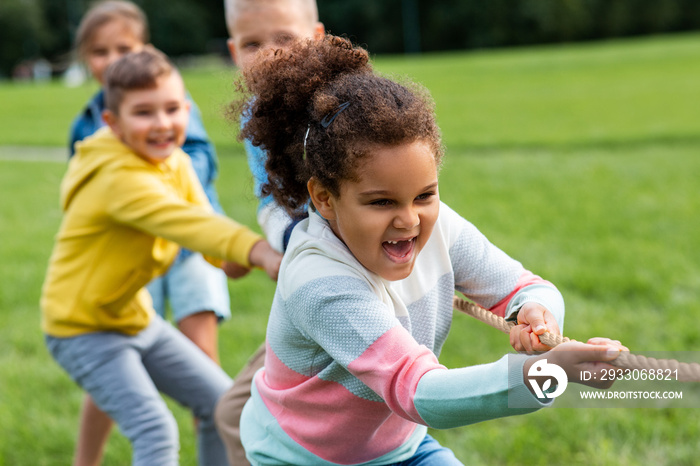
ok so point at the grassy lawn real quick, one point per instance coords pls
(579, 160)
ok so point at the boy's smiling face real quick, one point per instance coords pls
(153, 122)
(385, 217)
(270, 25)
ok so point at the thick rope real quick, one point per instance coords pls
(687, 372)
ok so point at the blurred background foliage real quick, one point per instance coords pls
(44, 29)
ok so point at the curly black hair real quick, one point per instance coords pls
(288, 96)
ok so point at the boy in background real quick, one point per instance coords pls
(196, 291)
(255, 26)
(130, 199)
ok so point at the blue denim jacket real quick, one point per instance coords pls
(197, 144)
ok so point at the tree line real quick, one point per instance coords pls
(32, 29)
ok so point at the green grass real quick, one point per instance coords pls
(580, 161)
(606, 93)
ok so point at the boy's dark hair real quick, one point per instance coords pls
(104, 12)
(295, 92)
(134, 71)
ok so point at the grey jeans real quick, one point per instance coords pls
(124, 375)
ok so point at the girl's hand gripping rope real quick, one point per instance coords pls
(577, 358)
(533, 320)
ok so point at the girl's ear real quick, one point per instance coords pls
(321, 198)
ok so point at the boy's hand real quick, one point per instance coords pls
(262, 255)
(234, 271)
(533, 320)
(575, 357)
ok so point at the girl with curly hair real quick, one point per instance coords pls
(363, 303)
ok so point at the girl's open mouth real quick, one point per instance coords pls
(399, 250)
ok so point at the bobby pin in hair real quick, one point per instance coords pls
(328, 119)
(325, 122)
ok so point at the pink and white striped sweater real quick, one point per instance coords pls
(351, 373)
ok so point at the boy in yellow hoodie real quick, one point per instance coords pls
(130, 199)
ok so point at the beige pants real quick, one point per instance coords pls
(228, 410)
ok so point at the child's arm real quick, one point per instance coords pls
(577, 358)
(345, 318)
(272, 218)
(233, 270)
(488, 276)
(455, 397)
(261, 255)
(142, 201)
(264, 256)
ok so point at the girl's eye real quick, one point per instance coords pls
(381, 202)
(425, 196)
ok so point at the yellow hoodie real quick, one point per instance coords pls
(123, 221)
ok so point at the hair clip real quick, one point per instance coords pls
(325, 122)
(328, 119)
(306, 136)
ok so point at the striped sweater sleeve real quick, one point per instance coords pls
(491, 278)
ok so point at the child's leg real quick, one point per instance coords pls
(198, 285)
(198, 295)
(109, 366)
(230, 406)
(202, 329)
(431, 453)
(182, 371)
(92, 435)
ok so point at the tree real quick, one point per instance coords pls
(31, 29)
(21, 29)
